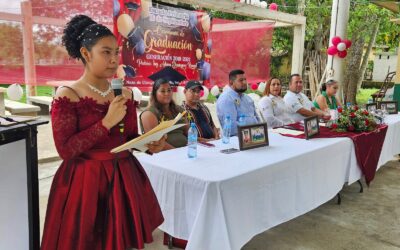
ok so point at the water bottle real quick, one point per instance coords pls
(226, 131)
(192, 141)
(348, 105)
(242, 120)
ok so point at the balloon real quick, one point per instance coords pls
(206, 23)
(336, 40)
(125, 24)
(116, 7)
(261, 86)
(137, 94)
(342, 54)
(121, 72)
(214, 90)
(140, 47)
(209, 45)
(256, 3)
(348, 43)
(180, 94)
(254, 86)
(273, 7)
(135, 36)
(254, 97)
(199, 54)
(192, 20)
(332, 51)
(145, 8)
(206, 92)
(263, 4)
(341, 46)
(225, 88)
(205, 73)
(15, 92)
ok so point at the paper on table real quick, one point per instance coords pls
(287, 131)
(155, 134)
(17, 119)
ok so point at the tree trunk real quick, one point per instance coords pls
(366, 55)
(353, 70)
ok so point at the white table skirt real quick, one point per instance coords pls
(220, 201)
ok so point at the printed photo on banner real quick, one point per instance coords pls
(311, 127)
(253, 136)
(153, 37)
(390, 106)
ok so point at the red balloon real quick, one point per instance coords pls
(348, 43)
(273, 6)
(336, 40)
(254, 86)
(201, 93)
(332, 50)
(342, 54)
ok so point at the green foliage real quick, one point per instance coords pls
(354, 119)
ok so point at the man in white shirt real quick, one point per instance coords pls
(299, 106)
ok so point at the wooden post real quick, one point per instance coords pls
(396, 92)
(29, 49)
(299, 34)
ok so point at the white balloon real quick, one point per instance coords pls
(206, 93)
(137, 94)
(254, 97)
(261, 86)
(341, 46)
(242, 1)
(125, 25)
(225, 88)
(15, 92)
(215, 90)
(206, 23)
(263, 4)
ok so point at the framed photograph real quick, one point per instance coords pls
(371, 107)
(390, 106)
(311, 127)
(253, 136)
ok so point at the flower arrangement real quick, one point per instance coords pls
(354, 119)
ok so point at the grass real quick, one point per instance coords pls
(364, 94)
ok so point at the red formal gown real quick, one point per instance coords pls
(85, 211)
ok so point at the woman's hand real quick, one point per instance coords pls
(157, 146)
(116, 112)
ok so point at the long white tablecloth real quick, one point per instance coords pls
(220, 201)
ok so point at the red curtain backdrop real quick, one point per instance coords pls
(240, 45)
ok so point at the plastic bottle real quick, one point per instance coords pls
(226, 131)
(192, 141)
(242, 120)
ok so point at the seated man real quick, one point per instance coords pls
(299, 106)
(198, 112)
(235, 102)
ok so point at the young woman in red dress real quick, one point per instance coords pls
(98, 200)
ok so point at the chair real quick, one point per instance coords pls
(379, 95)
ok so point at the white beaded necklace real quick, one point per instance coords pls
(103, 94)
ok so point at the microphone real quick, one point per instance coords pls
(116, 85)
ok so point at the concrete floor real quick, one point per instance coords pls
(370, 220)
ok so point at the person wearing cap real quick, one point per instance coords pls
(198, 112)
(327, 99)
(299, 106)
(162, 108)
(235, 103)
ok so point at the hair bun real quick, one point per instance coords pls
(72, 32)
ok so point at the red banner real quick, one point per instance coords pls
(153, 37)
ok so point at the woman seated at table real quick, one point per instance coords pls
(327, 100)
(162, 108)
(272, 105)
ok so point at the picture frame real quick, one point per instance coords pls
(311, 127)
(253, 136)
(391, 106)
(370, 107)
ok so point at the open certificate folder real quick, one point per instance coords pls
(155, 134)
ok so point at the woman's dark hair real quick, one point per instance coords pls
(267, 89)
(82, 31)
(153, 97)
(329, 82)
